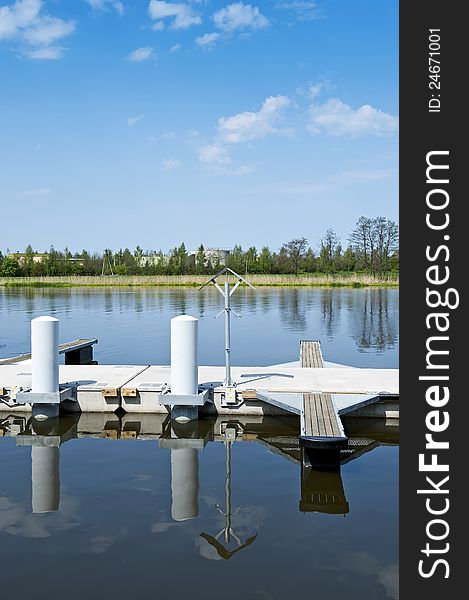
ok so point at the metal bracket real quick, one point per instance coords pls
(168, 399)
(64, 393)
(229, 397)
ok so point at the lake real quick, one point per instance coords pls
(226, 509)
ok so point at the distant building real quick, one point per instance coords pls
(40, 257)
(214, 255)
(22, 257)
(153, 260)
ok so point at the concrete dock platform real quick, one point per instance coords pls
(138, 388)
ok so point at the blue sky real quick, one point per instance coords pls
(150, 122)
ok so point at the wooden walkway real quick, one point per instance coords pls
(310, 354)
(78, 351)
(321, 427)
(320, 416)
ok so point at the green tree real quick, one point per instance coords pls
(200, 265)
(330, 252)
(294, 251)
(250, 260)
(265, 261)
(10, 268)
(235, 260)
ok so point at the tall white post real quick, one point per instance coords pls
(45, 363)
(184, 483)
(45, 477)
(184, 359)
(184, 363)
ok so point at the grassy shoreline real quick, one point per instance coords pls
(355, 280)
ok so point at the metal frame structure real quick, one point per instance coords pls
(226, 292)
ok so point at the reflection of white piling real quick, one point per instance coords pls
(184, 484)
(45, 363)
(184, 363)
(45, 478)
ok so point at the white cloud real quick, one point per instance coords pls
(238, 16)
(314, 89)
(336, 118)
(247, 126)
(48, 31)
(17, 16)
(141, 54)
(242, 127)
(116, 5)
(304, 10)
(37, 33)
(171, 163)
(214, 154)
(47, 53)
(207, 40)
(181, 15)
(35, 192)
(175, 48)
(132, 120)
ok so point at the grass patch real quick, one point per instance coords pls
(352, 280)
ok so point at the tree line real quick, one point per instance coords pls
(372, 248)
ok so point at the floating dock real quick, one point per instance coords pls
(318, 392)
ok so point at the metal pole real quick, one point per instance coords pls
(228, 382)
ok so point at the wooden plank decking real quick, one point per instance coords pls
(311, 355)
(321, 419)
(321, 427)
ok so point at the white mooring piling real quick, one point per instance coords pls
(184, 364)
(184, 483)
(45, 477)
(45, 363)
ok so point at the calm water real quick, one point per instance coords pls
(134, 512)
(356, 327)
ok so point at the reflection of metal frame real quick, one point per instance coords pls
(227, 530)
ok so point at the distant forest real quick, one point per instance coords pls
(372, 247)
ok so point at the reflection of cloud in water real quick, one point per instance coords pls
(245, 521)
(141, 477)
(386, 575)
(17, 519)
(206, 550)
(102, 543)
(162, 527)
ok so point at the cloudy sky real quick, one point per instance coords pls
(126, 122)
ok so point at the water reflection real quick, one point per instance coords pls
(293, 309)
(322, 490)
(373, 327)
(349, 322)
